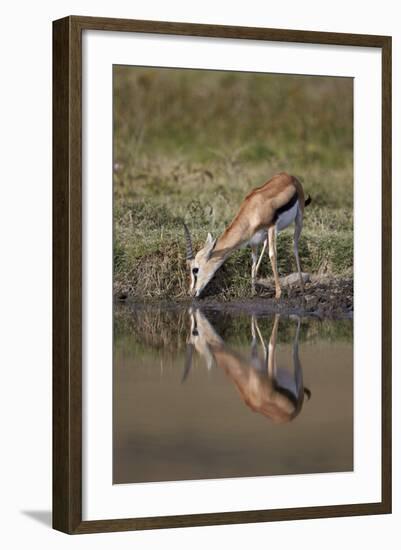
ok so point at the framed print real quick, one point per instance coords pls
(221, 274)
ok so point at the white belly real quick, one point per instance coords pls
(286, 380)
(258, 238)
(286, 218)
(283, 221)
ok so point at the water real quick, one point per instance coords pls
(206, 394)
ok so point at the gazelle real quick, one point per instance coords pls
(264, 212)
(275, 392)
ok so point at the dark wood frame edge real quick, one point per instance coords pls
(67, 275)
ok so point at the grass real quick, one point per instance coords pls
(189, 145)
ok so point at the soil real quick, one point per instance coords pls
(325, 298)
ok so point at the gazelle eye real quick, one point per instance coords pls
(195, 270)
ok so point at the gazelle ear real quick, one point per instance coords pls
(209, 245)
(209, 239)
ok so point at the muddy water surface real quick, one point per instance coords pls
(205, 394)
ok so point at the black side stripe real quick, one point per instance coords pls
(286, 206)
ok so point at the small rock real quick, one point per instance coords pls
(293, 279)
(267, 283)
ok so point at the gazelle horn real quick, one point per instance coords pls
(190, 252)
(188, 362)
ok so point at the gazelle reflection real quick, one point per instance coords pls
(276, 392)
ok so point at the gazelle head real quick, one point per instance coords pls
(202, 335)
(202, 266)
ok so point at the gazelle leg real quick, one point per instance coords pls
(256, 265)
(273, 259)
(261, 339)
(256, 331)
(261, 256)
(253, 328)
(297, 233)
(254, 250)
(296, 361)
(254, 345)
(299, 383)
(272, 363)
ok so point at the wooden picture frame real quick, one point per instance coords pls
(67, 273)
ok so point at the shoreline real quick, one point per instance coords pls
(325, 298)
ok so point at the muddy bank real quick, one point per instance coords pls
(325, 298)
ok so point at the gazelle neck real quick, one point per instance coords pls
(227, 243)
